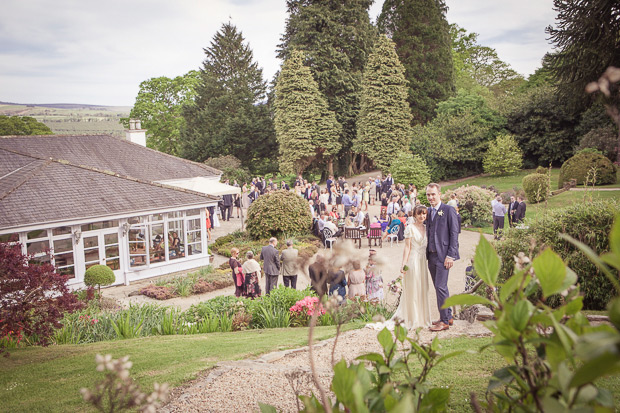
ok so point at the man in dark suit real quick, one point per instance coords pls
(512, 208)
(520, 212)
(227, 205)
(271, 264)
(442, 229)
(318, 275)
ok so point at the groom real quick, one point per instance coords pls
(442, 228)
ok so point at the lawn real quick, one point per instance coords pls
(49, 378)
(505, 183)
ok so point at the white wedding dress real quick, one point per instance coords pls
(414, 309)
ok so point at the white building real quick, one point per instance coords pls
(78, 201)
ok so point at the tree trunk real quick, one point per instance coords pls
(330, 166)
(352, 164)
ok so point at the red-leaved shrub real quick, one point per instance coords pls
(33, 297)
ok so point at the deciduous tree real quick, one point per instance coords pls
(383, 125)
(503, 157)
(159, 105)
(22, 125)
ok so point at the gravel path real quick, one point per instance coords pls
(271, 379)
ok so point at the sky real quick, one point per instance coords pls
(92, 52)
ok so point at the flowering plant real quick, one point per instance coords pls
(396, 285)
(304, 309)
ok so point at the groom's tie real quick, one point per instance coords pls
(433, 212)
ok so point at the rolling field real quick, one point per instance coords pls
(67, 119)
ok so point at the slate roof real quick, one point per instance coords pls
(107, 153)
(38, 188)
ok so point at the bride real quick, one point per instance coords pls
(414, 309)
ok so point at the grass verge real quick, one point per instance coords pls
(38, 379)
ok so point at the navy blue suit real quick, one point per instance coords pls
(443, 241)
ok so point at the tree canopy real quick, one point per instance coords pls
(383, 125)
(159, 105)
(586, 36)
(336, 38)
(306, 130)
(228, 115)
(22, 125)
(421, 33)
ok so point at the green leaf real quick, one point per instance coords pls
(614, 236)
(520, 314)
(550, 272)
(466, 299)
(600, 366)
(374, 357)
(266, 408)
(486, 262)
(449, 356)
(405, 405)
(574, 306)
(435, 401)
(385, 339)
(512, 284)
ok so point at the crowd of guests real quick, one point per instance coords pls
(515, 211)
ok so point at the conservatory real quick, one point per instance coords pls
(77, 201)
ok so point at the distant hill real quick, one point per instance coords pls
(71, 118)
(68, 106)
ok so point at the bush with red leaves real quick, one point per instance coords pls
(158, 292)
(33, 297)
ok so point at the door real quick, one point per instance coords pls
(102, 247)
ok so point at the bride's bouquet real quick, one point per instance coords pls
(396, 285)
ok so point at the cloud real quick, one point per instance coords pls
(99, 52)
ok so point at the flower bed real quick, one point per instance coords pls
(205, 280)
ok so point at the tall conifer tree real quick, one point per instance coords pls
(336, 38)
(228, 115)
(306, 130)
(422, 36)
(384, 122)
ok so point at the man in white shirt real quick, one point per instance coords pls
(333, 228)
(499, 210)
(358, 221)
(393, 207)
(407, 207)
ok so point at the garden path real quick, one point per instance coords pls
(241, 385)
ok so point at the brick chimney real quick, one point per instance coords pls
(135, 133)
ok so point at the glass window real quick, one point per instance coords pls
(9, 237)
(61, 231)
(39, 249)
(112, 258)
(194, 240)
(100, 225)
(91, 250)
(176, 242)
(192, 212)
(39, 233)
(158, 243)
(137, 246)
(157, 217)
(175, 215)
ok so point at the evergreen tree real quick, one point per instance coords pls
(228, 115)
(587, 36)
(384, 122)
(421, 33)
(306, 130)
(336, 38)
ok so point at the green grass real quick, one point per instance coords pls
(49, 379)
(502, 183)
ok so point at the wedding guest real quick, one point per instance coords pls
(512, 208)
(499, 210)
(337, 282)
(288, 259)
(452, 202)
(356, 281)
(374, 280)
(520, 212)
(235, 266)
(251, 268)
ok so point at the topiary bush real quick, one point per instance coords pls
(541, 170)
(231, 168)
(503, 157)
(278, 213)
(410, 169)
(604, 139)
(474, 204)
(99, 275)
(580, 167)
(536, 187)
(589, 223)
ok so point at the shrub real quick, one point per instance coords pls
(579, 167)
(158, 292)
(410, 169)
(33, 297)
(278, 213)
(587, 222)
(231, 168)
(474, 204)
(541, 170)
(512, 192)
(604, 139)
(503, 156)
(536, 187)
(99, 275)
